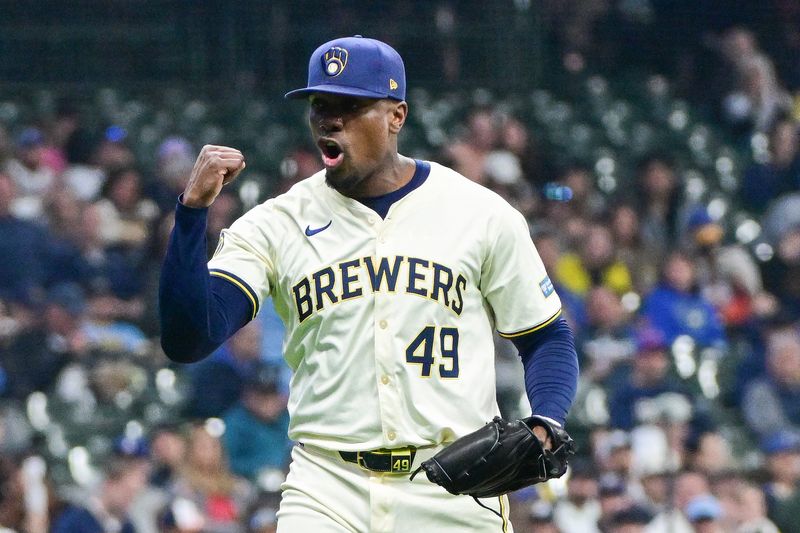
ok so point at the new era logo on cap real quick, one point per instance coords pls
(355, 66)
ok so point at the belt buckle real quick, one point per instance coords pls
(393, 461)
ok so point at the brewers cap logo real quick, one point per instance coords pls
(334, 61)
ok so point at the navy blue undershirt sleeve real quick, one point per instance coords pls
(551, 369)
(198, 312)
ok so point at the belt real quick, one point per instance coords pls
(389, 461)
(397, 461)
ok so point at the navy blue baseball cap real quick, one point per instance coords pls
(355, 66)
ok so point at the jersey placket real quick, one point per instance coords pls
(385, 358)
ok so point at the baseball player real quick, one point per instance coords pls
(391, 275)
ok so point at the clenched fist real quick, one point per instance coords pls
(215, 166)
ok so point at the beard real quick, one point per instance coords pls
(342, 181)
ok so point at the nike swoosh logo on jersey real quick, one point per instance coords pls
(310, 232)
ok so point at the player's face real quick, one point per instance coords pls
(356, 138)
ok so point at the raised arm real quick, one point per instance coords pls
(199, 312)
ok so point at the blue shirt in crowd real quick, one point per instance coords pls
(254, 444)
(677, 313)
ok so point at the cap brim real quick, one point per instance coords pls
(335, 89)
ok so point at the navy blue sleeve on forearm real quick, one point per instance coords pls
(551, 369)
(198, 312)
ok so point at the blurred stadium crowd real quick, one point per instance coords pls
(677, 260)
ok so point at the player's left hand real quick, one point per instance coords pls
(543, 436)
(501, 457)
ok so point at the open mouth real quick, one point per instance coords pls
(332, 153)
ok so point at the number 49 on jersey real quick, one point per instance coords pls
(421, 351)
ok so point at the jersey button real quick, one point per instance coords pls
(383, 324)
(382, 240)
(391, 435)
(371, 219)
(385, 379)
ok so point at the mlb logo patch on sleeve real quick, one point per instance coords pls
(547, 286)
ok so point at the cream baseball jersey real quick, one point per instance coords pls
(389, 322)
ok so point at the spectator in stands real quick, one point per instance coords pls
(607, 340)
(758, 98)
(613, 497)
(37, 347)
(782, 489)
(65, 262)
(65, 321)
(659, 200)
(151, 273)
(744, 508)
(781, 273)
(125, 216)
(468, 154)
(108, 328)
(175, 159)
(705, 513)
(613, 452)
(764, 182)
(76, 253)
(710, 453)
(737, 46)
(676, 307)
(33, 179)
(65, 122)
(656, 488)
(596, 264)
(23, 241)
(727, 275)
(12, 497)
(218, 380)
(300, 162)
(106, 509)
(82, 177)
(263, 520)
(516, 138)
(540, 518)
(743, 85)
(633, 519)
(503, 174)
(650, 394)
(255, 436)
(772, 403)
(687, 486)
(181, 516)
(586, 199)
(623, 220)
(753, 364)
(580, 511)
(113, 151)
(206, 480)
(168, 451)
(27, 499)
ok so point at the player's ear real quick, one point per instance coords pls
(399, 112)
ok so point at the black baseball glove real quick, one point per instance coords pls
(499, 458)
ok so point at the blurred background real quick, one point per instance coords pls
(673, 123)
